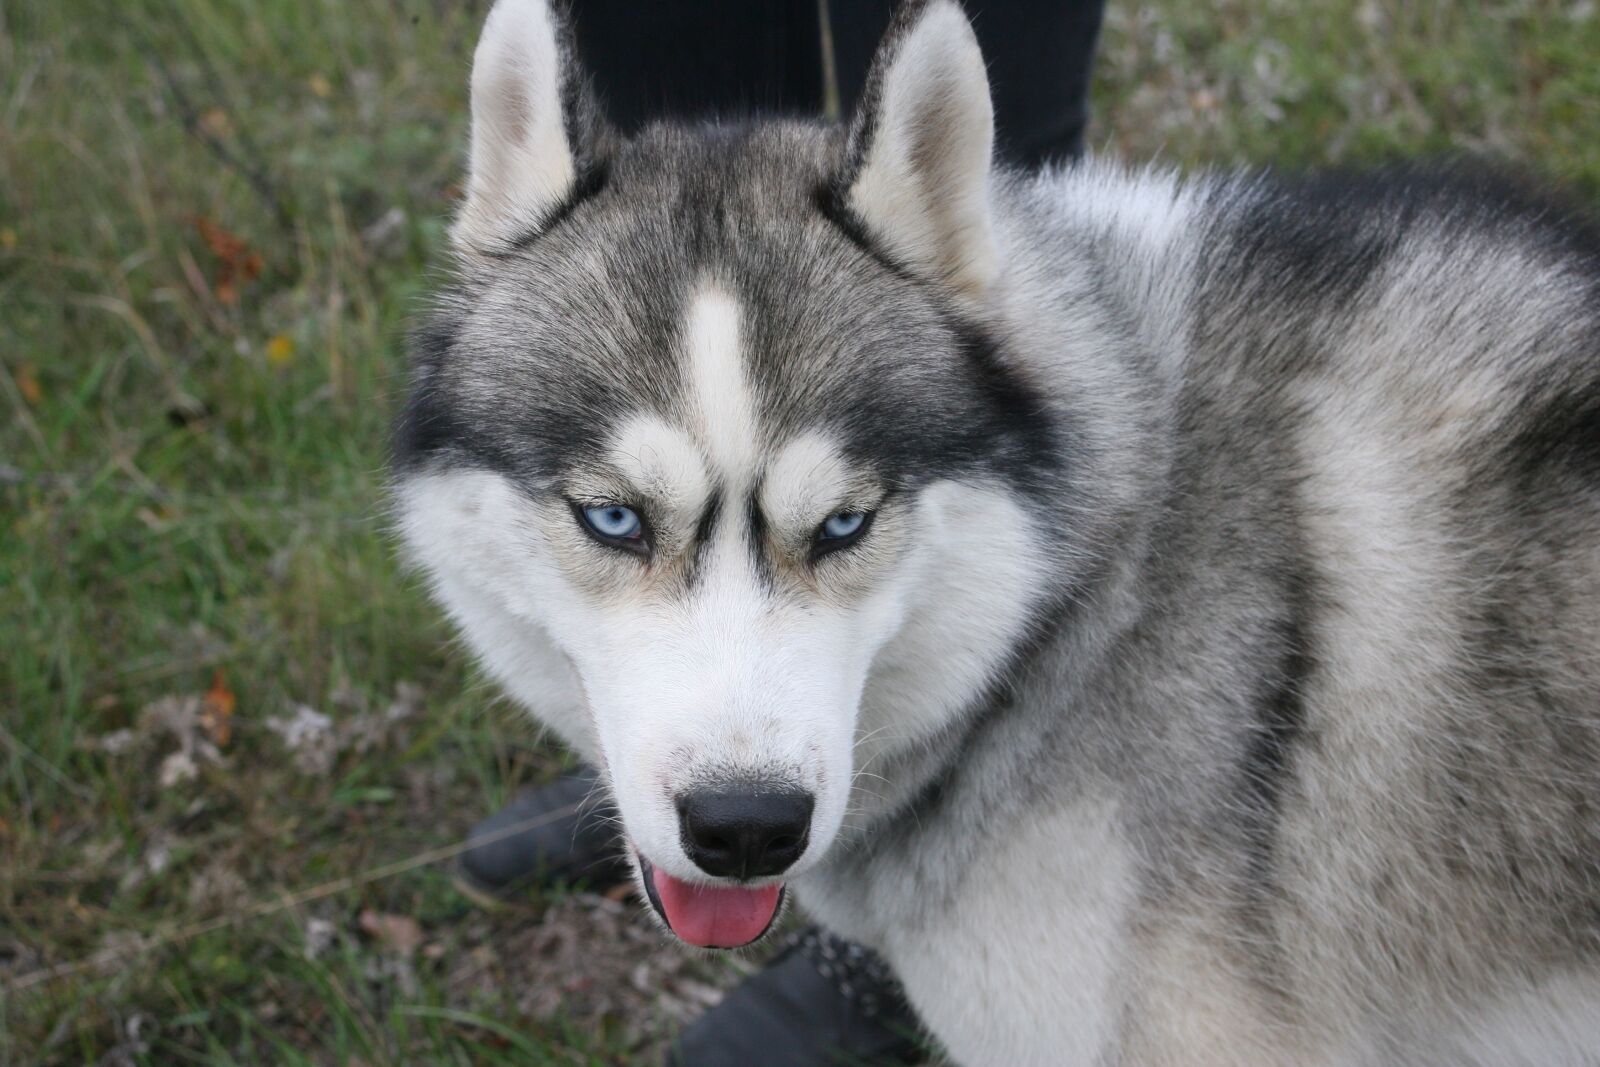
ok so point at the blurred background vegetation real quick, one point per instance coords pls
(217, 686)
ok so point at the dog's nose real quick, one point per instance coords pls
(745, 835)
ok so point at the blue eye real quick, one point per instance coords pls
(613, 522)
(844, 525)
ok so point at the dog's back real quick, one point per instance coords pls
(1434, 753)
(1342, 687)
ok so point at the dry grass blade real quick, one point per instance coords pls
(178, 934)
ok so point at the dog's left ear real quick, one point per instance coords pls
(919, 154)
(536, 131)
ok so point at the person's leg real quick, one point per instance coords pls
(686, 58)
(1040, 54)
(693, 58)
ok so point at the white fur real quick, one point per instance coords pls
(1066, 881)
(666, 465)
(520, 163)
(973, 583)
(806, 478)
(1552, 1024)
(469, 529)
(727, 421)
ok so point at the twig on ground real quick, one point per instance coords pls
(177, 934)
(254, 173)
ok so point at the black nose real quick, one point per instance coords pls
(744, 835)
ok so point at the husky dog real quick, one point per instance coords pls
(1161, 614)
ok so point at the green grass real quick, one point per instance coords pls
(189, 484)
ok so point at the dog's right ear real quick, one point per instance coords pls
(536, 131)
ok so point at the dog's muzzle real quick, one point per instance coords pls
(743, 836)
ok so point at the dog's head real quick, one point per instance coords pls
(711, 456)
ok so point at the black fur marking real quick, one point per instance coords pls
(912, 389)
(1280, 719)
(704, 530)
(1024, 434)
(426, 426)
(831, 201)
(1013, 427)
(765, 572)
(589, 184)
(998, 425)
(1300, 240)
(1563, 432)
(1300, 250)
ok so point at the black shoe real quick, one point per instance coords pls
(561, 832)
(822, 1002)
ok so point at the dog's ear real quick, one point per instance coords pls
(536, 131)
(918, 157)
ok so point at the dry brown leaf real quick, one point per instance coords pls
(399, 933)
(237, 262)
(28, 385)
(215, 121)
(216, 710)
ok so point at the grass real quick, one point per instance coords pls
(190, 483)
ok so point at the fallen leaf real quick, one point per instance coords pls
(28, 385)
(216, 711)
(320, 85)
(8, 238)
(399, 933)
(215, 121)
(280, 350)
(237, 262)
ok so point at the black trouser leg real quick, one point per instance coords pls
(1040, 54)
(683, 58)
(655, 59)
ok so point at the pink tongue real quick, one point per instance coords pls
(715, 916)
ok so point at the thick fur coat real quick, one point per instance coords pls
(1217, 677)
